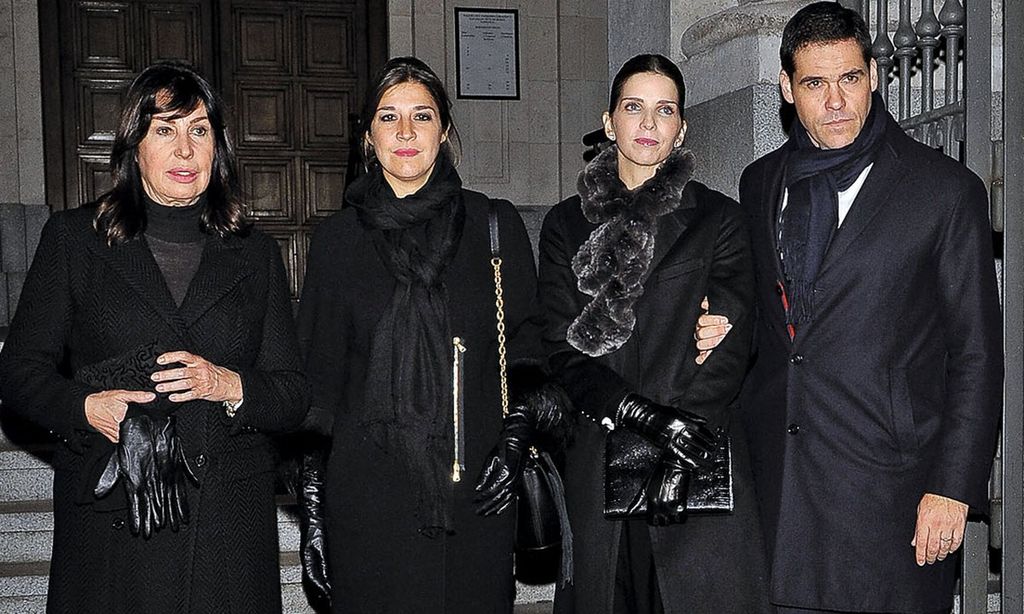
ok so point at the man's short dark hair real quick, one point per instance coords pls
(823, 23)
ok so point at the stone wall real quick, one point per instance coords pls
(527, 151)
(22, 203)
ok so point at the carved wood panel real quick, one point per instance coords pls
(300, 68)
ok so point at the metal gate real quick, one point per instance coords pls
(939, 65)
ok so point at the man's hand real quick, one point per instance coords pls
(940, 528)
(710, 331)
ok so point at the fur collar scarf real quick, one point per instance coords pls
(612, 264)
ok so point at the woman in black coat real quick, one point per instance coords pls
(397, 326)
(624, 269)
(154, 339)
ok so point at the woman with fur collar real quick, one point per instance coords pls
(626, 268)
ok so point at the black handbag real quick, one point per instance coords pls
(629, 462)
(543, 543)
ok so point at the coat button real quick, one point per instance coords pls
(796, 359)
(200, 460)
(118, 523)
(793, 429)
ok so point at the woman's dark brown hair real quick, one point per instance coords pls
(409, 70)
(645, 63)
(168, 87)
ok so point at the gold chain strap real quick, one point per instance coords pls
(499, 304)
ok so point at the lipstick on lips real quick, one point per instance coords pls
(645, 142)
(406, 153)
(182, 175)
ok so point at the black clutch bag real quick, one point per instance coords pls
(629, 461)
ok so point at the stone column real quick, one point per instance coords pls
(637, 27)
(730, 58)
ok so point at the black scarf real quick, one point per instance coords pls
(408, 386)
(814, 178)
(612, 263)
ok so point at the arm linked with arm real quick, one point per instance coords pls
(730, 292)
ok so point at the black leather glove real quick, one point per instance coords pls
(503, 469)
(666, 492)
(537, 410)
(313, 549)
(682, 433)
(133, 463)
(171, 497)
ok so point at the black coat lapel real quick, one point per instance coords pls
(222, 266)
(671, 227)
(133, 261)
(771, 202)
(874, 195)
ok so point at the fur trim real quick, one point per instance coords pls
(612, 263)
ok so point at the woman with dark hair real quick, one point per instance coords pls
(624, 269)
(154, 339)
(397, 327)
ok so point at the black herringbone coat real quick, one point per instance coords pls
(710, 564)
(892, 391)
(84, 302)
(379, 561)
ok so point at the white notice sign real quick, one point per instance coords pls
(488, 53)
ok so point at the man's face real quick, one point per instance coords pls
(831, 87)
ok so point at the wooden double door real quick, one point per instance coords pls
(292, 73)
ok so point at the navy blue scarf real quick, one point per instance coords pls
(814, 177)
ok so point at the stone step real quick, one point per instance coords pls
(26, 531)
(24, 476)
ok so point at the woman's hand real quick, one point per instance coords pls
(197, 379)
(710, 331)
(105, 410)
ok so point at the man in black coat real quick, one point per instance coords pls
(873, 405)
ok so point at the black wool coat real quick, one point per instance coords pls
(892, 391)
(84, 302)
(379, 562)
(710, 564)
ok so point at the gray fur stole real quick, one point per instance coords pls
(612, 263)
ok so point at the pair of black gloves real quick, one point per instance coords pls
(150, 463)
(684, 437)
(686, 443)
(148, 459)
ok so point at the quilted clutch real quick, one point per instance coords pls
(629, 461)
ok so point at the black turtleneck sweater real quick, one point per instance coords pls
(176, 241)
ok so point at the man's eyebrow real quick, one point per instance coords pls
(855, 72)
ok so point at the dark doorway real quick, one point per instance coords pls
(291, 73)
